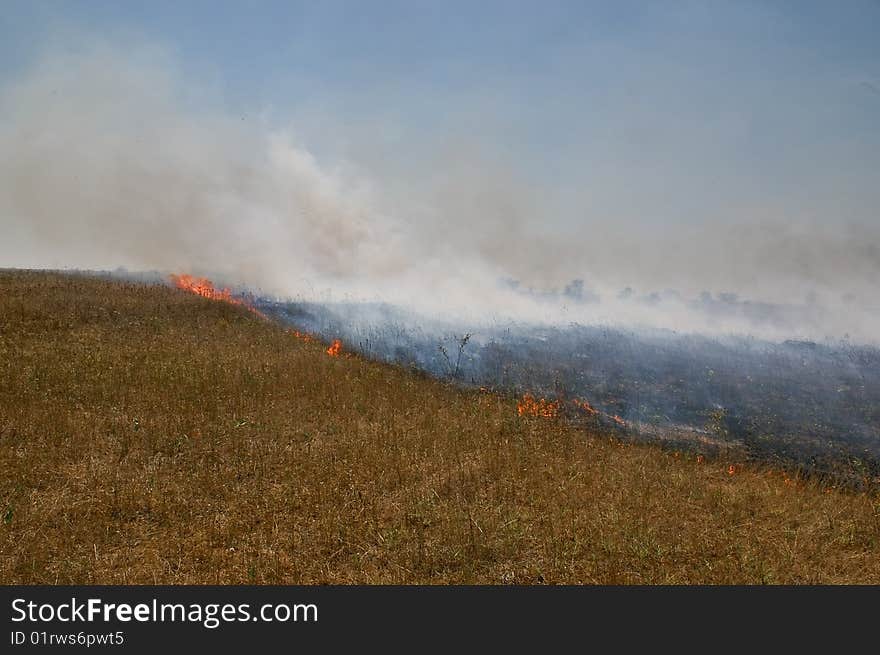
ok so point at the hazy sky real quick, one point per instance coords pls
(688, 145)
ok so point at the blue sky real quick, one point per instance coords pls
(277, 52)
(407, 58)
(742, 96)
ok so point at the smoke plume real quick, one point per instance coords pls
(112, 157)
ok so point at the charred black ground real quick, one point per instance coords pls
(801, 403)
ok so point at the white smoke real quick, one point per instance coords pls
(111, 157)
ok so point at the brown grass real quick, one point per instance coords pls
(150, 436)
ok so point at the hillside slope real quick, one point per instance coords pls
(148, 435)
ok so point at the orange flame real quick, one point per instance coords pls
(335, 348)
(587, 407)
(202, 286)
(731, 470)
(529, 406)
(302, 336)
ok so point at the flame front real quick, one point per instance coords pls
(302, 336)
(592, 411)
(585, 406)
(529, 406)
(202, 286)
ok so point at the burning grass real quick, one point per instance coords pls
(529, 406)
(202, 286)
(152, 436)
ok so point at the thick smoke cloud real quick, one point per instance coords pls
(113, 157)
(107, 163)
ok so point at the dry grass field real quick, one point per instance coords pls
(148, 435)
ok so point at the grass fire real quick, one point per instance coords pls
(155, 434)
